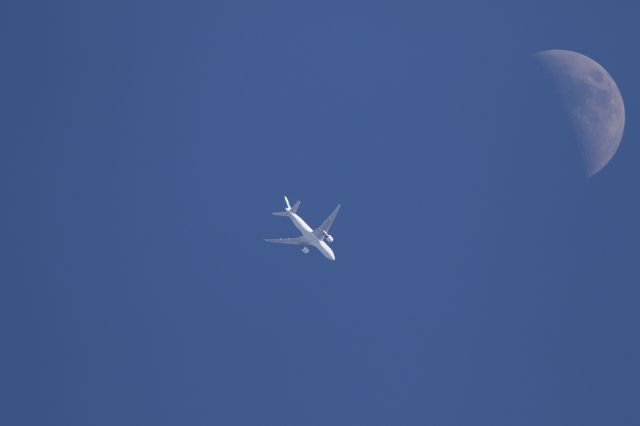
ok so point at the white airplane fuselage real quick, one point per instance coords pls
(310, 237)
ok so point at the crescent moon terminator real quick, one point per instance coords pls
(593, 101)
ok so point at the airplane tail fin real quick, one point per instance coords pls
(289, 208)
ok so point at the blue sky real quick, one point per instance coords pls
(479, 280)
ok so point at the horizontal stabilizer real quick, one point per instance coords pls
(289, 208)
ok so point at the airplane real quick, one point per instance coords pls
(310, 237)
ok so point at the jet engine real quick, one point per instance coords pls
(305, 250)
(328, 237)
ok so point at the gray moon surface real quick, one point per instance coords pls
(593, 102)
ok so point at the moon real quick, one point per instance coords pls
(593, 102)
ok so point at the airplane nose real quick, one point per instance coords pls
(326, 250)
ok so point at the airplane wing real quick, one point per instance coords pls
(327, 223)
(299, 241)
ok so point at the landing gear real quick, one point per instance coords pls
(305, 250)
